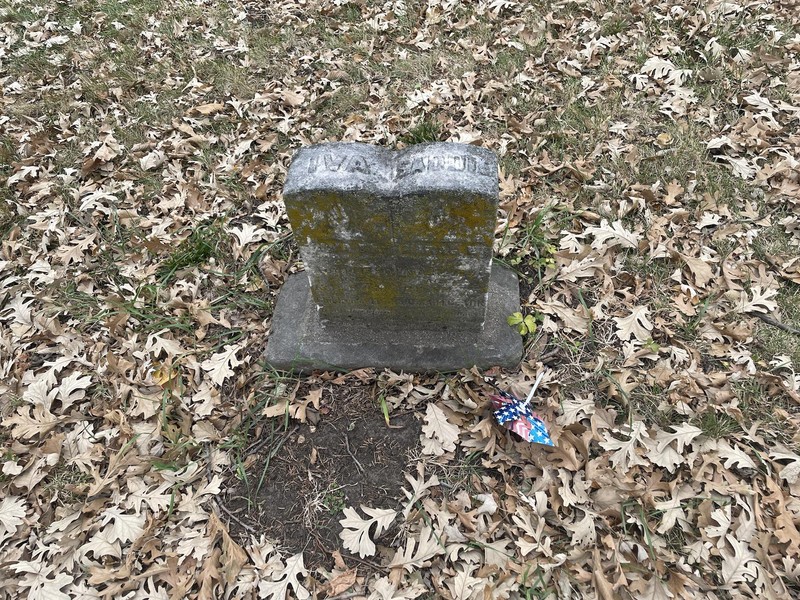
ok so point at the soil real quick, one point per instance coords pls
(349, 458)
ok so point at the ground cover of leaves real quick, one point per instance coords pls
(650, 194)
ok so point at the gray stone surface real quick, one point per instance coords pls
(401, 239)
(298, 341)
(397, 247)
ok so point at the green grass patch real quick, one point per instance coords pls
(534, 246)
(427, 130)
(204, 242)
(716, 424)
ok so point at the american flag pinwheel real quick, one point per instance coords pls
(516, 415)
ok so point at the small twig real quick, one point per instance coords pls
(369, 563)
(233, 516)
(217, 502)
(258, 445)
(770, 321)
(758, 217)
(346, 595)
(353, 456)
(544, 358)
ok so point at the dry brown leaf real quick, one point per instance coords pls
(208, 109)
(342, 582)
(293, 98)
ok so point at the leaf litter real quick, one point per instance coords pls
(649, 201)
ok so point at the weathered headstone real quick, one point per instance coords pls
(397, 247)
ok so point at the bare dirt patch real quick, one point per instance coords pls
(350, 457)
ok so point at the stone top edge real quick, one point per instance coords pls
(390, 152)
(354, 166)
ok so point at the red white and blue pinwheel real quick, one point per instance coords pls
(516, 415)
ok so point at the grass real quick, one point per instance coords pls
(649, 402)
(613, 23)
(508, 62)
(65, 482)
(427, 130)
(79, 305)
(252, 424)
(334, 500)
(203, 244)
(536, 586)
(769, 408)
(8, 218)
(533, 245)
(715, 424)
(142, 311)
(462, 473)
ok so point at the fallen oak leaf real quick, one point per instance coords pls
(12, 513)
(439, 435)
(121, 526)
(604, 587)
(292, 98)
(248, 234)
(384, 589)
(38, 583)
(464, 586)
(607, 236)
(72, 389)
(583, 532)
(671, 511)
(233, 557)
(209, 575)
(417, 553)
(701, 270)
(220, 366)
(286, 579)
(761, 301)
(626, 455)
(660, 451)
(791, 471)
(741, 167)
(152, 160)
(737, 565)
(662, 69)
(355, 534)
(341, 583)
(575, 408)
(207, 109)
(734, 456)
(576, 319)
(636, 324)
(27, 424)
(108, 150)
(682, 435)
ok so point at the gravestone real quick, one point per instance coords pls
(397, 247)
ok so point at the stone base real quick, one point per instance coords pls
(299, 343)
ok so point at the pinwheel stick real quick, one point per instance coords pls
(533, 389)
